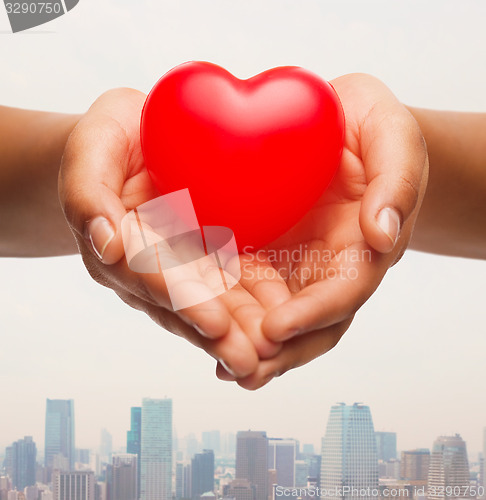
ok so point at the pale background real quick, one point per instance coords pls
(416, 351)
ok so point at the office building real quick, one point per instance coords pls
(179, 481)
(349, 455)
(414, 465)
(386, 445)
(449, 469)
(282, 454)
(59, 434)
(134, 438)
(252, 461)
(202, 473)
(301, 473)
(123, 478)
(22, 463)
(156, 450)
(79, 485)
(187, 485)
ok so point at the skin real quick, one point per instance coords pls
(281, 315)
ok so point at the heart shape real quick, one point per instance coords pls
(255, 154)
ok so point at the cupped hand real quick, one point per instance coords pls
(331, 262)
(103, 177)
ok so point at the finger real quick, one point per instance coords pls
(344, 286)
(207, 313)
(262, 280)
(296, 352)
(395, 159)
(249, 314)
(95, 168)
(223, 374)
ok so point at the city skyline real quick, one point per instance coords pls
(130, 444)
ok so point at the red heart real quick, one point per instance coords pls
(255, 154)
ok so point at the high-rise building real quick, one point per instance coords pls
(59, 437)
(134, 438)
(252, 461)
(449, 469)
(301, 473)
(211, 440)
(106, 446)
(202, 473)
(79, 485)
(123, 478)
(314, 475)
(22, 458)
(414, 465)
(156, 450)
(282, 454)
(349, 456)
(179, 481)
(386, 444)
(187, 485)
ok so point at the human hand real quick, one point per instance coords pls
(103, 177)
(358, 229)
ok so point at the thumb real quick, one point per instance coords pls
(395, 159)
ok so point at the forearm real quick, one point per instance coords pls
(31, 220)
(452, 220)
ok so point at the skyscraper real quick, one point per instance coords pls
(179, 481)
(156, 449)
(449, 469)
(414, 465)
(134, 439)
(252, 461)
(123, 477)
(22, 463)
(79, 485)
(349, 456)
(59, 437)
(202, 473)
(386, 443)
(106, 446)
(282, 454)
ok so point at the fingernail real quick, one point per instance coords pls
(227, 367)
(100, 233)
(388, 221)
(201, 331)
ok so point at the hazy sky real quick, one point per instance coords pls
(416, 351)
